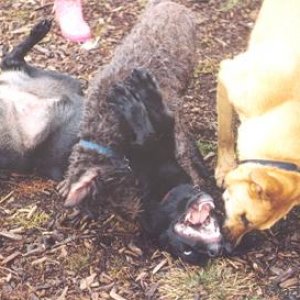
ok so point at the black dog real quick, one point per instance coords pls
(175, 212)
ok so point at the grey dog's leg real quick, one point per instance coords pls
(15, 59)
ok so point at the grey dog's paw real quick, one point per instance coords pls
(40, 30)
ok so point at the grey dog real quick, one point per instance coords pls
(39, 112)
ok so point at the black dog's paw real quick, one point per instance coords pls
(141, 76)
(124, 101)
(145, 88)
(144, 85)
(133, 112)
(39, 31)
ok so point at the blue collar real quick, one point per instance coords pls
(98, 148)
(276, 164)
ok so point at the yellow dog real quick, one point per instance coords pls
(263, 86)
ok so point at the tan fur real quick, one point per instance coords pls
(262, 85)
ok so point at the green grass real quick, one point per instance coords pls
(29, 220)
(206, 147)
(77, 261)
(230, 4)
(216, 281)
(206, 66)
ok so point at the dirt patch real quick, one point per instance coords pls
(49, 253)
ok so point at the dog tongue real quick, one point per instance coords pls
(69, 16)
(198, 214)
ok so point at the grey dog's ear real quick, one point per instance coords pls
(264, 185)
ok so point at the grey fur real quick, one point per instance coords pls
(163, 42)
(39, 113)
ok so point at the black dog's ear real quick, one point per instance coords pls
(160, 216)
(154, 219)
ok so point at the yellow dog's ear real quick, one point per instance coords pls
(264, 185)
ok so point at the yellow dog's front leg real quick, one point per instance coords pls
(226, 154)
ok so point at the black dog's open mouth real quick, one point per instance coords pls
(199, 224)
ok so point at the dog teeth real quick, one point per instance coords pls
(207, 232)
(188, 217)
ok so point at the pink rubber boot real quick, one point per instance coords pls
(72, 25)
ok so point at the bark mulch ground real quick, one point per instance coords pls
(47, 252)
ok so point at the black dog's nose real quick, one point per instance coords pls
(228, 247)
(214, 249)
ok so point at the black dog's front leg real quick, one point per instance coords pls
(139, 101)
(144, 86)
(15, 59)
(134, 112)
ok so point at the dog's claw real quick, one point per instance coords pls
(141, 75)
(41, 29)
(63, 188)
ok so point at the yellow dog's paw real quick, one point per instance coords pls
(221, 171)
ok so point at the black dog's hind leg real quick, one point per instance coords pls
(134, 113)
(15, 59)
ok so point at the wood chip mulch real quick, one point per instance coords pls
(47, 252)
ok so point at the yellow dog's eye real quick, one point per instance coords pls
(244, 220)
